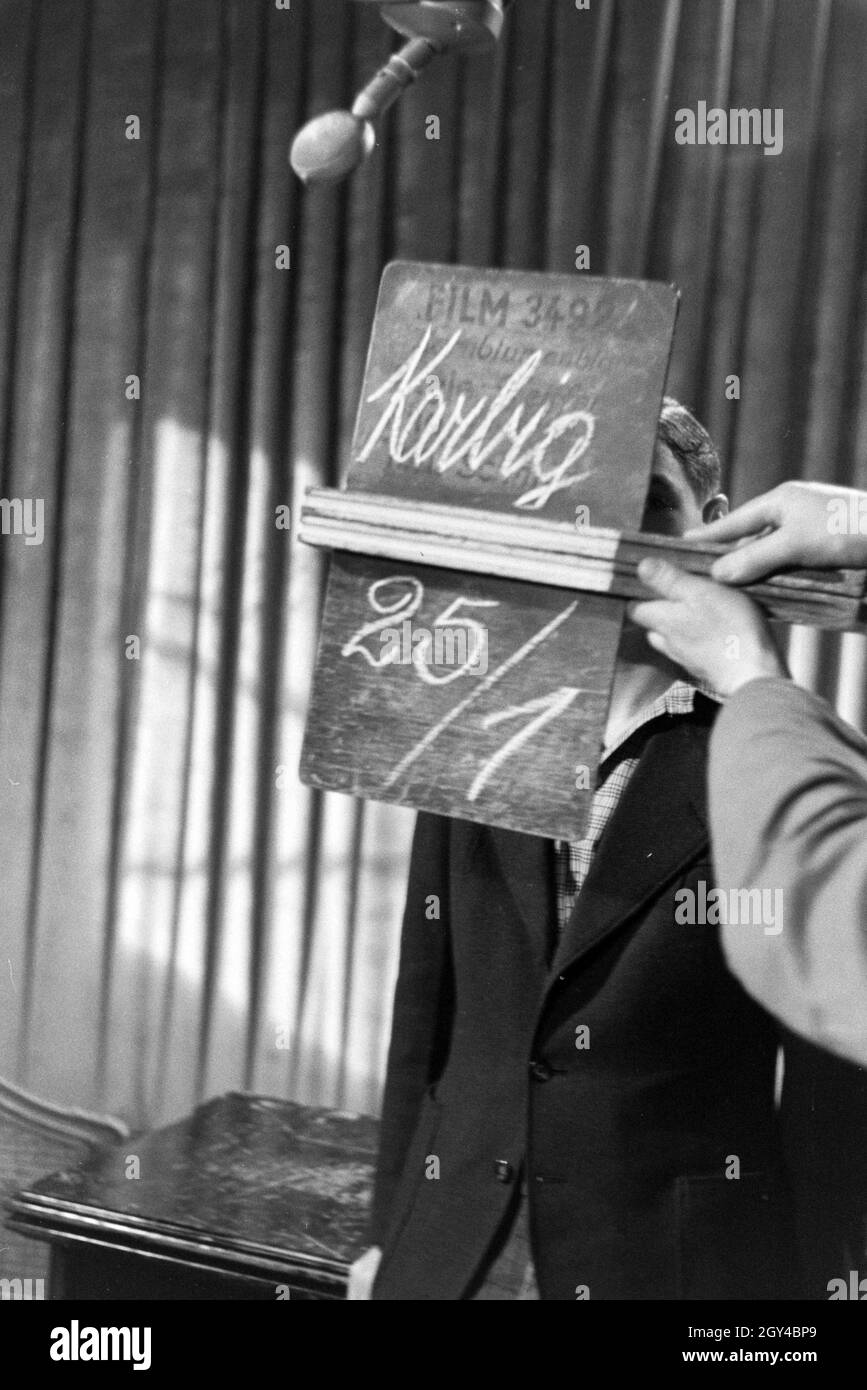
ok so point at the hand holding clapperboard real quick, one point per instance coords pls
(503, 446)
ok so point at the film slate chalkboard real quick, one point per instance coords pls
(514, 392)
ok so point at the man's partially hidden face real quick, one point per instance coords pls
(672, 506)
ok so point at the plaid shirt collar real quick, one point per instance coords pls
(679, 698)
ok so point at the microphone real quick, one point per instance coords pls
(334, 144)
(338, 142)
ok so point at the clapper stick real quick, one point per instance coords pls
(589, 559)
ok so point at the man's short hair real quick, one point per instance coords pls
(692, 446)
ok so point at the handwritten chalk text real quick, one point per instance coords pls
(422, 427)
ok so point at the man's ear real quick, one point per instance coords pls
(714, 508)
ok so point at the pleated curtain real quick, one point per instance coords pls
(182, 338)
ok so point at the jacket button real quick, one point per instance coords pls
(503, 1170)
(540, 1071)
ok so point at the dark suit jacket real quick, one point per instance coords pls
(625, 1144)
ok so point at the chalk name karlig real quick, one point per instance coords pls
(422, 427)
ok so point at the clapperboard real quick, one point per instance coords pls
(485, 542)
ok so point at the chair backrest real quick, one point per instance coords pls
(36, 1139)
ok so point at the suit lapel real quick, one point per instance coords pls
(659, 825)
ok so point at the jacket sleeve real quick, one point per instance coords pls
(423, 1009)
(788, 812)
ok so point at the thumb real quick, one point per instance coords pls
(661, 577)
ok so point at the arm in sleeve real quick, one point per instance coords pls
(423, 1009)
(788, 812)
